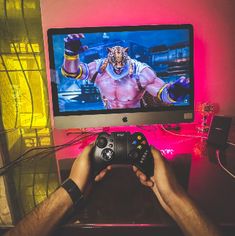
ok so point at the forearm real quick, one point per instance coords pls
(72, 67)
(189, 217)
(43, 219)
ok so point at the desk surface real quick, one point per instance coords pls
(121, 200)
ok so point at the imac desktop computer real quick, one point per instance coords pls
(121, 75)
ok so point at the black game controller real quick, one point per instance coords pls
(122, 148)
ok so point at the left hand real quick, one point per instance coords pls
(81, 168)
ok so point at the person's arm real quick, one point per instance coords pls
(43, 219)
(175, 200)
(46, 216)
(167, 93)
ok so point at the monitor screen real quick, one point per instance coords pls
(129, 75)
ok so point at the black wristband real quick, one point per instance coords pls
(73, 191)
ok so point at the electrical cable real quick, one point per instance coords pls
(183, 135)
(48, 177)
(190, 136)
(48, 147)
(146, 127)
(74, 141)
(8, 131)
(18, 128)
(52, 151)
(47, 151)
(222, 166)
(204, 137)
(230, 143)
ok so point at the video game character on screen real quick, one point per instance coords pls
(122, 82)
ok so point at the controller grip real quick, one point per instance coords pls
(144, 162)
(102, 154)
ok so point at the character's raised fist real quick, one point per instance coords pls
(179, 89)
(73, 44)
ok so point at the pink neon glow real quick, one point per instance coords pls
(170, 143)
(214, 46)
(214, 34)
(120, 225)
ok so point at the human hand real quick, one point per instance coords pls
(80, 172)
(179, 89)
(174, 199)
(163, 183)
(73, 44)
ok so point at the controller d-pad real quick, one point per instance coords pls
(134, 154)
(102, 142)
(107, 154)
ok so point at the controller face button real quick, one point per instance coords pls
(139, 147)
(134, 142)
(102, 142)
(143, 142)
(139, 137)
(107, 154)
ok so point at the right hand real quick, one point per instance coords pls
(81, 168)
(174, 199)
(73, 44)
(163, 183)
(179, 89)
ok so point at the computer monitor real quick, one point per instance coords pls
(121, 75)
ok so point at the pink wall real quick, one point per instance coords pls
(213, 21)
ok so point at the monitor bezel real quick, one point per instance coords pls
(118, 117)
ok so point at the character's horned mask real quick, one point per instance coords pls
(118, 57)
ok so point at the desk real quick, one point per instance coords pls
(121, 204)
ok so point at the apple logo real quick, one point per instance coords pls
(124, 119)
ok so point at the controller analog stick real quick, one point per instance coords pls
(102, 142)
(107, 154)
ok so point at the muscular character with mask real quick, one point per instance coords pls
(121, 80)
